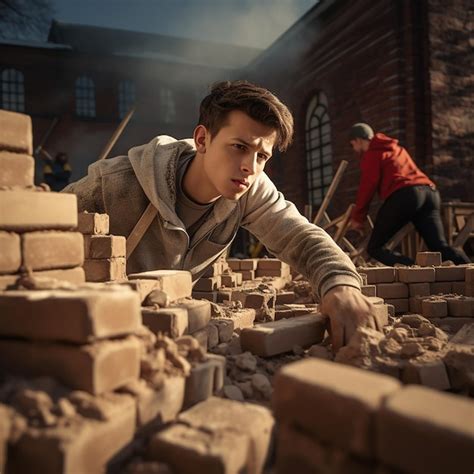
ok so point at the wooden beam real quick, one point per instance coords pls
(116, 135)
(140, 228)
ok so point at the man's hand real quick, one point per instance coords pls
(347, 309)
(356, 226)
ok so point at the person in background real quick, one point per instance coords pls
(57, 171)
(408, 195)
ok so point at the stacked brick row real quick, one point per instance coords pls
(403, 287)
(333, 418)
(36, 226)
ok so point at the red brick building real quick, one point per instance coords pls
(85, 79)
(405, 67)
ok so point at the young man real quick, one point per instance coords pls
(205, 188)
(408, 194)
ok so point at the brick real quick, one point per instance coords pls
(218, 436)
(8, 282)
(214, 270)
(263, 272)
(441, 288)
(291, 311)
(105, 269)
(93, 223)
(454, 273)
(95, 368)
(47, 250)
(298, 452)
(104, 246)
(347, 398)
(247, 275)
(419, 289)
(421, 430)
(224, 294)
(378, 274)
(234, 264)
(415, 304)
(17, 169)
(285, 297)
(199, 313)
(156, 406)
(277, 337)
(16, 133)
(416, 275)
(392, 290)
(212, 336)
(10, 255)
(380, 314)
(465, 335)
(83, 445)
(225, 328)
(205, 295)
(469, 290)
(242, 318)
(201, 335)
(459, 288)
(270, 264)
(205, 378)
(434, 308)
(75, 276)
(400, 305)
(28, 210)
(208, 284)
(231, 280)
(461, 306)
(450, 325)
(369, 290)
(173, 322)
(176, 284)
(91, 314)
(427, 259)
(248, 264)
(254, 299)
(431, 374)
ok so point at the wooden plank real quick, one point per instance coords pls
(344, 224)
(140, 228)
(465, 232)
(116, 135)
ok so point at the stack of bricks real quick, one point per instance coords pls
(105, 255)
(334, 418)
(262, 268)
(36, 226)
(403, 287)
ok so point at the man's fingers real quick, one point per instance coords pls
(349, 330)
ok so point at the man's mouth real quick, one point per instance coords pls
(241, 182)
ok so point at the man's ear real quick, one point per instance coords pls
(200, 134)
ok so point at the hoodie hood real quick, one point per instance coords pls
(382, 143)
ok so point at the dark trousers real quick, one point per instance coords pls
(417, 204)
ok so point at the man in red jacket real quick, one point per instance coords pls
(408, 195)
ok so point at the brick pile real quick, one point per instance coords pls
(338, 419)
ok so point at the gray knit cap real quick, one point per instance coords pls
(361, 130)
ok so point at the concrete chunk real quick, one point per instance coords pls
(421, 430)
(75, 316)
(28, 210)
(16, 132)
(176, 284)
(10, 254)
(17, 169)
(347, 400)
(277, 337)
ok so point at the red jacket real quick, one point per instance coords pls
(385, 167)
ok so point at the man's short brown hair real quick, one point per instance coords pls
(257, 102)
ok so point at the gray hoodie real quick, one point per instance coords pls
(123, 186)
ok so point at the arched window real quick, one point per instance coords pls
(126, 97)
(167, 105)
(318, 149)
(85, 97)
(12, 88)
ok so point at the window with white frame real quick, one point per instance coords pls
(85, 97)
(12, 88)
(167, 105)
(318, 149)
(126, 97)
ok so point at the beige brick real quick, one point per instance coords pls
(347, 399)
(247, 275)
(17, 169)
(461, 306)
(95, 368)
(75, 316)
(248, 264)
(392, 290)
(285, 297)
(234, 264)
(434, 308)
(93, 223)
(199, 313)
(10, 254)
(416, 275)
(8, 282)
(231, 280)
(208, 284)
(254, 299)
(176, 284)
(469, 290)
(71, 275)
(450, 325)
(205, 295)
(415, 304)
(421, 430)
(378, 274)
(381, 314)
(202, 336)
(282, 272)
(400, 304)
(104, 246)
(218, 436)
(454, 273)
(242, 318)
(465, 335)
(28, 210)
(428, 259)
(105, 269)
(441, 288)
(81, 446)
(277, 337)
(419, 289)
(369, 290)
(431, 374)
(459, 288)
(214, 270)
(172, 322)
(15, 132)
(47, 250)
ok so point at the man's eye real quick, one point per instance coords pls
(239, 146)
(262, 157)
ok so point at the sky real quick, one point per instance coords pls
(255, 23)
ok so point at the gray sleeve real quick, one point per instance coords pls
(288, 235)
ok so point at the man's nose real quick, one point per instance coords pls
(249, 163)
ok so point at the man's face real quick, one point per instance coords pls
(357, 145)
(236, 155)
